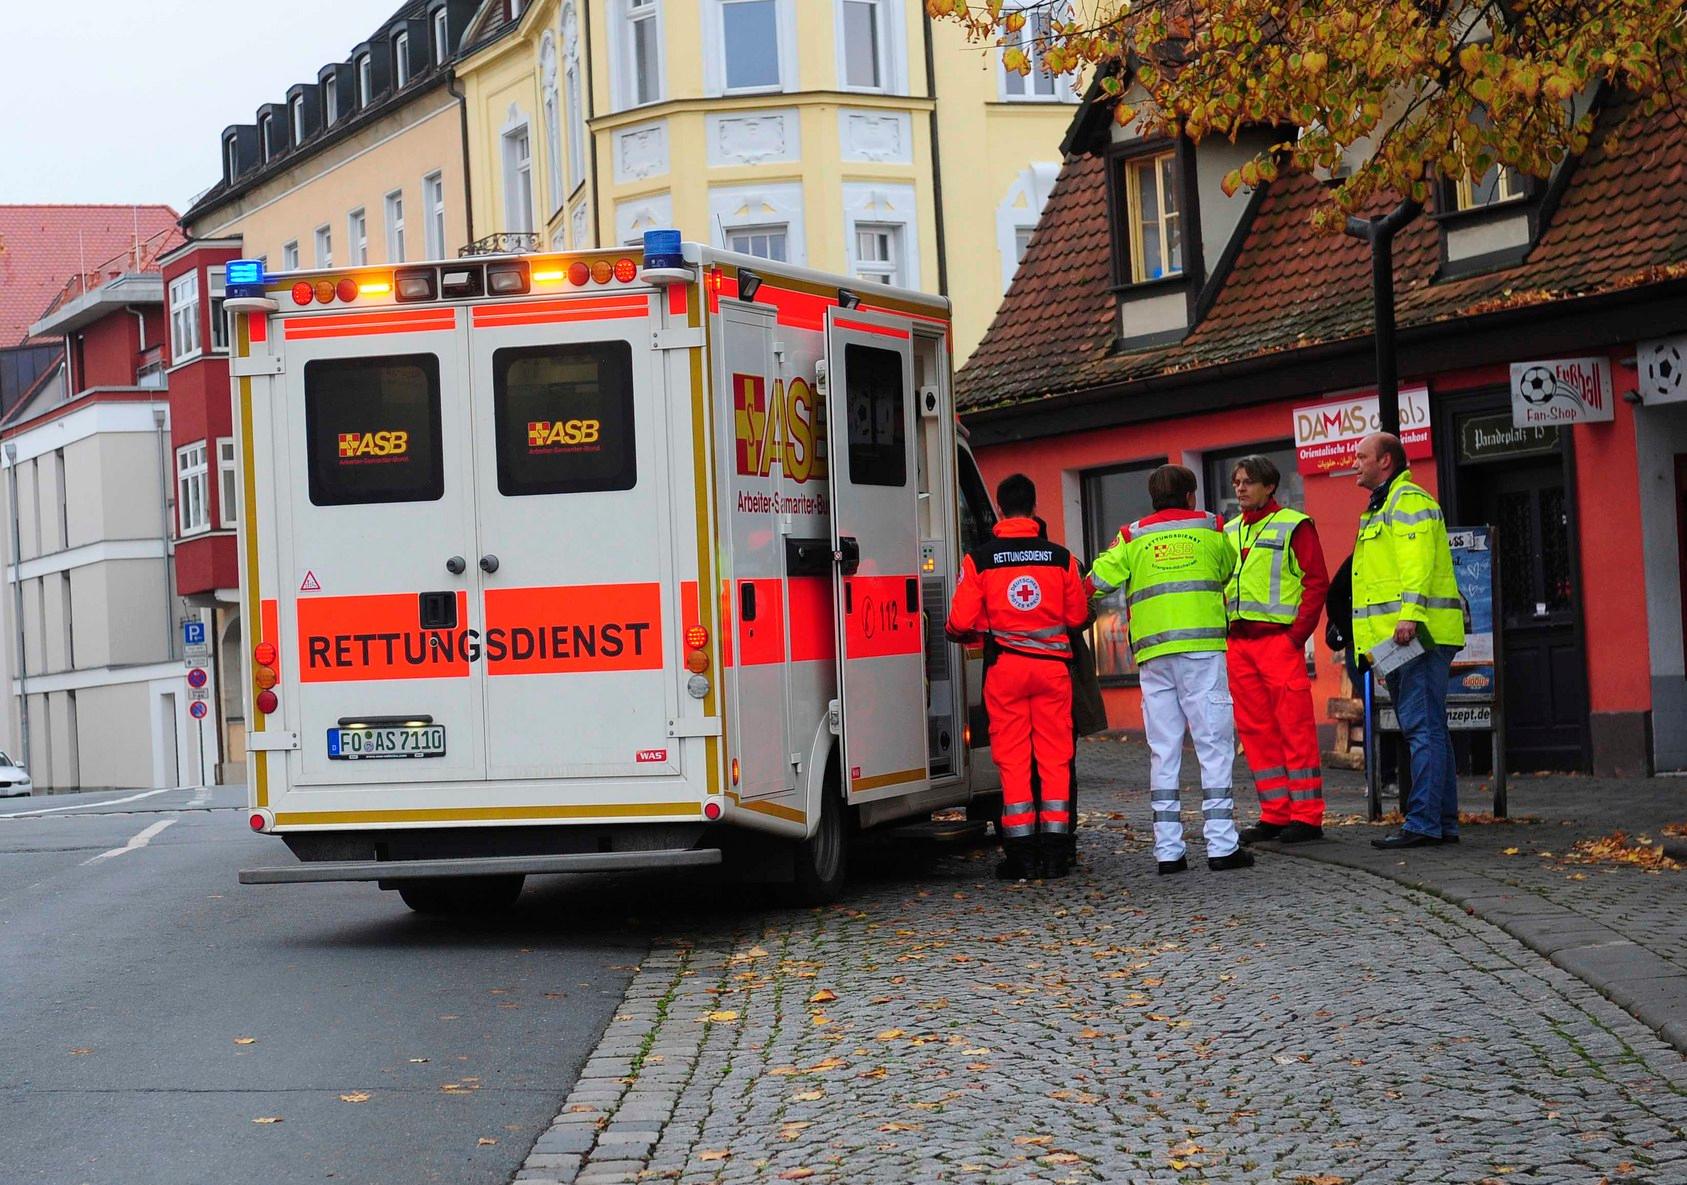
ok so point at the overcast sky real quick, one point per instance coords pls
(124, 100)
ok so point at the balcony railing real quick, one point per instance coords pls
(505, 242)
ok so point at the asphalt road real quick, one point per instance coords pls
(161, 1023)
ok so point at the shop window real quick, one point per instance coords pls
(1114, 498)
(1153, 221)
(372, 430)
(1220, 466)
(564, 419)
(878, 439)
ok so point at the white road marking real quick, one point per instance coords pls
(135, 843)
(84, 806)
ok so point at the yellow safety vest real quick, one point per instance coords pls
(1268, 581)
(1403, 570)
(1173, 573)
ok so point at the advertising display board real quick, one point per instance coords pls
(1327, 434)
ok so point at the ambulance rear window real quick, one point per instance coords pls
(564, 418)
(372, 430)
(878, 438)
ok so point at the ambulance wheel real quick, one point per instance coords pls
(461, 895)
(822, 860)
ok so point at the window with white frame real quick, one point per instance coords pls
(324, 246)
(1021, 243)
(184, 316)
(297, 108)
(553, 121)
(290, 256)
(1156, 226)
(749, 40)
(441, 36)
(365, 80)
(266, 134)
(1032, 40)
(518, 181)
(641, 52)
(401, 58)
(193, 490)
(395, 226)
(219, 323)
(357, 227)
(231, 155)
(433, 214)
(227, 475)
(878, 252)
(767, 242)
(865, 44)
(331, 100)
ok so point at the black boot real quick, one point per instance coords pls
(1019, 859)
(1263, 831)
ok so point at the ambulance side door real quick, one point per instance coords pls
(871, 410)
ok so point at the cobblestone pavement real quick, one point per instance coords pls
(1296, 1022)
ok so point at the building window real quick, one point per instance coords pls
(878, 253)
(765, 242)
(641, 54)
(193, 491)
(1156, 231)
(1114, 498)
(231, 157)
(401, 58)
(433, 213)
(297, 109)
(518, 181)
(219, 322)
(864, 29)
(290, 256)
(266, 134)
(150, 374)
(571, 89)
(365, 80)
(324, 247)
(357, 226)
(1032, 40)
(331, 100)
(750, 44)
(184, 316)
(1221, 467)
(1502, 183)
(1021, 243)
(441, 36)
(553, 122)
(516, 9)
(227, 475)
(395, 226)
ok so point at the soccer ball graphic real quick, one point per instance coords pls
(1537, 385)
(1666, 371)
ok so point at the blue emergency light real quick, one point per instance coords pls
(662, 249)
(243, 277)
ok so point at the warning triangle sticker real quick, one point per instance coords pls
(310, 584)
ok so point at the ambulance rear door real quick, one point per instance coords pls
(380, 680)
(575, 545)
(870, 404)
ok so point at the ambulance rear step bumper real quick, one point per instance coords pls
(397, 870)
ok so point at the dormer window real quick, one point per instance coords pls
(365, 80)
(266, 135)
(1502, 183)
(231, 157)
(296, 110)
(401, 58)
(1152, 211)
(331, 104)
(441, 36)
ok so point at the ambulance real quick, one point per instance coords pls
(597, 561)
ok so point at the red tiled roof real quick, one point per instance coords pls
(1622, 222)
(44, 247)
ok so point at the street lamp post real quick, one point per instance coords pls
(1379, 233)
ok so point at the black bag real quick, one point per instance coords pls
(1089, 713)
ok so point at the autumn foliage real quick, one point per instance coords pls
(1399, 93)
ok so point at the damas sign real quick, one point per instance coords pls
(1327, 434)
(1561, 391)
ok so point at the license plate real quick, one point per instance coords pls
(367, 744)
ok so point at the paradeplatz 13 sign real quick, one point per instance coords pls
(1561, 391)
(1327, 434)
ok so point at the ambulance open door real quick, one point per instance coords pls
(871, 417)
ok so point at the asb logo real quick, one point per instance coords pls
(544, 433)
(1175, 552)
(374, 444)
(785, 429)
(1025, 594)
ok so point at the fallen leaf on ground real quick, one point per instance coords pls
(714, 1154)
(828, 1063)
(1510, 851)
(795, 1174)
(356, 1096)
(1037, 1141)
(808, 1096)
(899, 1127)
(724, 1016)
(823, 996)
(820, 1018)
(1320, 1179)
(1061, 1158)
(267, 1119)
(485, 1142)
(891, 1034)
(245, 1040)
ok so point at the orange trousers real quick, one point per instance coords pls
(1273, 705)
(1030, 705)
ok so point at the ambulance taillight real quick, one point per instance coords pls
(696, 649)
(264, 676)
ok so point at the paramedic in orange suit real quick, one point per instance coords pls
(1021, 593)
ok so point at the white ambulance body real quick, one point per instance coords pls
(550, 561)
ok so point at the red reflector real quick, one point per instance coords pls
(626, 270)
(264, 653)
(302, 292)
(346, 290)
(324, 291)
(264, 677)
(257, 822)
(603, 271)
(267, 702)
(578, 273)
(711, 811)
(696, 637)
(696, 661)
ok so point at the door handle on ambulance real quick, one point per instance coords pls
(456, 565)
(848, 555)
(489, 563)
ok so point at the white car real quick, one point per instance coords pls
(14, 779)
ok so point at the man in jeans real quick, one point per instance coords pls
(1405, 592)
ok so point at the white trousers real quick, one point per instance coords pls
(1190, 691)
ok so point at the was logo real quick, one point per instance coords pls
(1025, 594)
(545, 433)
(374, 444)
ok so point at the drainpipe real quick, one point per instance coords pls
(463, 122)
(1379, 233)
(158, 418)
(17, 605)
(936, 164)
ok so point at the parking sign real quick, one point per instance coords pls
(193, 632)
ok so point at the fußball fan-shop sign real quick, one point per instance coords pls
(1663, 370)
(1561, 391)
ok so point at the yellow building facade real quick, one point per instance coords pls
(852, 136)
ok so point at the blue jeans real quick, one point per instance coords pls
(1419, 691)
